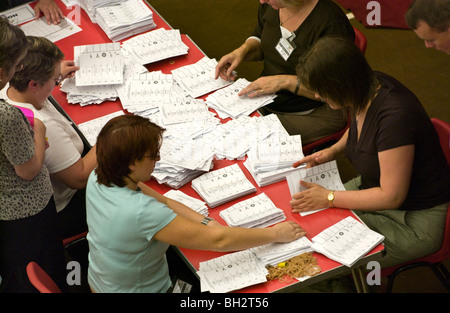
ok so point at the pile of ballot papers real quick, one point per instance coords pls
(156, 45)
(222, 185)
(191, 202)
(227, 103)
(126, 19)
(90, 6)
(258, 211)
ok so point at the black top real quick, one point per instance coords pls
(326, 19)
(397, 118)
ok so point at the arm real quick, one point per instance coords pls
(76, 175)
(50, 9)
(249, 51)
(30, 169)
(184, 233)
(178, 207)
(395, 174)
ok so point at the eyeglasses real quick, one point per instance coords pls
(59, 80)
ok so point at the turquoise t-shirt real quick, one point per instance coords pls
(123, 255)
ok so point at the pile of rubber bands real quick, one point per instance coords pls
(302, 265)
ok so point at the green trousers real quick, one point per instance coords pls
(408, 234)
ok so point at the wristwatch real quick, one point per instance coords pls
(206, 220)
(330, 198)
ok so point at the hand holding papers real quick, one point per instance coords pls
(326, 175)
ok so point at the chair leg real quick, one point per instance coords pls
(439, 271)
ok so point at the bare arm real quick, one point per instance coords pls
(76, 175)
(395, 168)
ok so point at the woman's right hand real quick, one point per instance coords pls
(227, 64)
(288, 231)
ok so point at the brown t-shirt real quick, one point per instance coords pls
(397, 118)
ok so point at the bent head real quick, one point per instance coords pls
(128, 145)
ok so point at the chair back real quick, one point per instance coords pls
(40, 279)
(360, 40)
(443, 130)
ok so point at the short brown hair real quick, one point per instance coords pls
(122, 141)
(436, 13)
(13, 43)
(337, 70)
(38, 64)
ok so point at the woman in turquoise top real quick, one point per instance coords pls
(131, 225)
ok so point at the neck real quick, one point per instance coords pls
(23, 97)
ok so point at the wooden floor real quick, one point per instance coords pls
(218, 27)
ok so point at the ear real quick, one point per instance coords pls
(33, 86)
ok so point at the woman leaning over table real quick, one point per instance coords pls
(403, 188)
(131, 225)
(290, 26)
(28, 228)
(44, 68)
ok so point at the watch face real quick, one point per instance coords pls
(331, 196)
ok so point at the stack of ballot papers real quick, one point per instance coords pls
(198, 79)
(347, 241)
(275, 253)
(191, 202)
(227, 103)
(90, 6)
(271, 159)
(156, 45)
(230, 272)
(258, 211)
(326, 175)
(222, 185)
(124, 20)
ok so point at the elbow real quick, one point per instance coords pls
(395, 201)
(221, 242)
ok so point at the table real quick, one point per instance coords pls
(278, 192)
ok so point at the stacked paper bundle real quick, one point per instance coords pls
(198, 79)
(222, 185)
(271, 159)
(156, 45)
(230, 272)
(191, 202)
(124, 20)
(90, 6)
(275, 253)
(227, 103)
(258, 211)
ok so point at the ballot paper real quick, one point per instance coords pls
(157, 45)
(100, 64)
(326, 175)
(222, 185)
(191, 202)
(271, 159)
(230, 272)
(19, 14)
(277, 252)
(228, 103)
(258, 211)
(125, 19)
(198, 79)
(92, 128)
(346, 241)
(52, 32)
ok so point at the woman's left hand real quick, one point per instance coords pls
(313, 198)
(265, 85)
(68, 68)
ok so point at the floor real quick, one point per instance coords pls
(218, 27)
